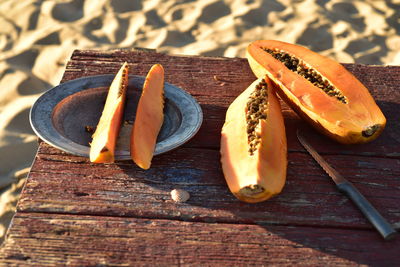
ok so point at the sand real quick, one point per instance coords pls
(38, 37)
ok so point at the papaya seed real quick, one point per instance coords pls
(104, 149)
(90, 129)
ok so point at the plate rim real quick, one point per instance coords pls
(67, 145)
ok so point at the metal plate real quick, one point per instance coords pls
(60, 115)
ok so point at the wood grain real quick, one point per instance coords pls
(122, 189)
(50, 239)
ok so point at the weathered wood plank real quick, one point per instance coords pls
(56, 185)
(77, 213)
(49, 239)
(215, 82)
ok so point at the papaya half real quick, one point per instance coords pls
(149, 118)
(102, 147)
(253, 144)
(319, 89)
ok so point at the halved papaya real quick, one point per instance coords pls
(149, 118)
(253, 144)
(319, 89)
(102, 147)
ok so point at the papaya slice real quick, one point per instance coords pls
(253, 144)
(319, 89)
(149, 118)
(102, 147)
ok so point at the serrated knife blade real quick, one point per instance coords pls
(347, 188)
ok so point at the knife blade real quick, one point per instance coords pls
(347, 188)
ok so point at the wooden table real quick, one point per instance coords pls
(76, 213)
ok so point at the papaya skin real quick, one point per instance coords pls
(102, 147)
(258, 177)
(360, 120)
(149, 118)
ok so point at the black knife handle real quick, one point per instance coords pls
(384, 228)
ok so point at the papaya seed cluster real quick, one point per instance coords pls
(252, 190)
(310, 74)
(256, 110)
(122, 84)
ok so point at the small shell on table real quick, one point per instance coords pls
(180, 195)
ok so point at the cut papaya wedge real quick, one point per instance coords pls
(102, 147)
(149, 118)
(253, 144)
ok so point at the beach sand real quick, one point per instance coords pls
(38, 37)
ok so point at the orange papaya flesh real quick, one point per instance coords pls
(253, 144)
(319, 89)
(149, 118)
(102, 147)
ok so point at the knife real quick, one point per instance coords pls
(347, 188)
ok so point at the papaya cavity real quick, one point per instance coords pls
(303, 69)
(256, 110)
